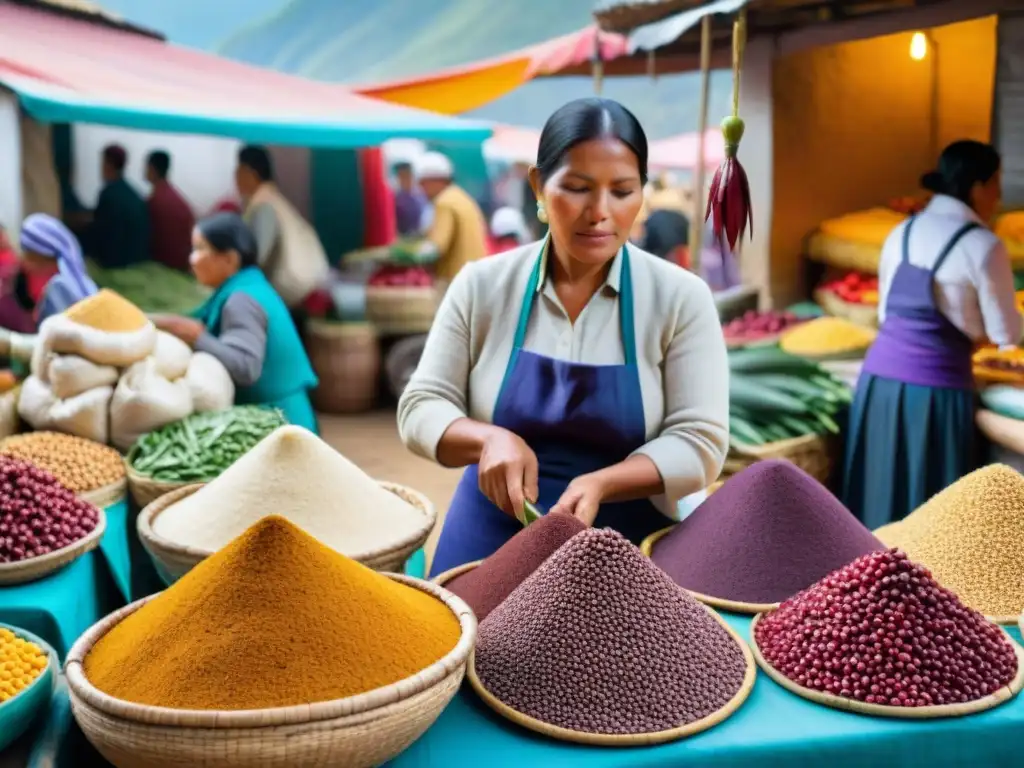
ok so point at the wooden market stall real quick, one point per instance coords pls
(842, 114)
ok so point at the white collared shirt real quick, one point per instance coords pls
(974, 286)
(681, 358)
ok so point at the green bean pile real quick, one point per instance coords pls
(200, 447)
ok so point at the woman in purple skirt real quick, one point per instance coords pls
(945, 286)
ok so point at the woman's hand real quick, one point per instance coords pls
(185, 328)
(507, 472)
(582, 499)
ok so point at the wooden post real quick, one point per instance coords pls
(697, 219)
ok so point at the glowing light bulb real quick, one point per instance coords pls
(918, 46)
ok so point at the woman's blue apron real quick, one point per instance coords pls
(912, 420)
(577, 418)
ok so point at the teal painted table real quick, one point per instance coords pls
(773, 729)
(61, 606)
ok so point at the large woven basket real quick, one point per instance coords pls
(814, 454)
(842, 254)
(357, 732)
(107, 495)
(172, 560)
(347, 360)
(144, 489)
(861, 314)
(36, 568)
(401, 311)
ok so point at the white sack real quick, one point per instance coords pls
(210, 384)
(64, 336)
(172, 356)
(84, 415)
(70, 375)
(144, 401)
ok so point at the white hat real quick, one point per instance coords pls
(509, 222)
(433, 165)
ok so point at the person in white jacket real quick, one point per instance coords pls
(288, 249)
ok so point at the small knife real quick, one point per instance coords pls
(530, 513)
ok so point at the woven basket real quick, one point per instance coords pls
(400, 311)
(144, 489)
(356, 732)
(172, 560)
(814, 454)
(883, 710)
(861, 314)
(347, 360)
(844, 254)
(37, 567)
(635, 739)
(107, 495)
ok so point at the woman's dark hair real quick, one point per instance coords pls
(258, 159)
(962, 165)
(228, 232)
(583, 120)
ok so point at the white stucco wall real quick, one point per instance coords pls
(202, 167)
(10, 164)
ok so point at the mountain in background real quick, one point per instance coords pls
(367, 41)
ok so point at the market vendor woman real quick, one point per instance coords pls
(245, 324)
(946, 285)
(580, 373)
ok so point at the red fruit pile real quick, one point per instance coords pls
(855, 288)
(882, 631)
(754, 325)
(395, 276)
(38, 515)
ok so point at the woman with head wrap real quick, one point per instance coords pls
(50, 251)
(245, 323)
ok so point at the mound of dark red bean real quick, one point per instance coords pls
(38, 515)
(881, 630)
(599, 640)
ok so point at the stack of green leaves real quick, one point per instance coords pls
(777, 396)
(201, 446)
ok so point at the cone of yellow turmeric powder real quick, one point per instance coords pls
(274, 629)
(273, 620)
(294, 473)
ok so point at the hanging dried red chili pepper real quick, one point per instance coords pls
(729, 199)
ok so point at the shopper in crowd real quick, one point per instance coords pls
(245, 324)
(458, 231)
(945, 285)
(50, 252)
(582, 373)
(119, 233)
(171, 220)
(410, 202)
(508, 230)
(288, 249)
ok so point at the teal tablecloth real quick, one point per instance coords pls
(116, 548)
(773, 729)
(63, 605)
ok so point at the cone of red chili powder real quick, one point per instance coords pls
(486, 586)
(769, 532)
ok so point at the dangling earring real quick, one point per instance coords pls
(542, 212)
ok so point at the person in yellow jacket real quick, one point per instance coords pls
(458, 232)
(289, 252)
